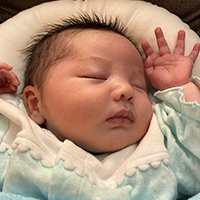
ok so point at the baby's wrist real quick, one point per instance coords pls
(192, 91)
(195, 81)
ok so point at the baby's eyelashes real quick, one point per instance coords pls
(94, 77)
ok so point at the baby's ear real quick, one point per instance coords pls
(31, 101)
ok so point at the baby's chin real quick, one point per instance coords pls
(105, 150)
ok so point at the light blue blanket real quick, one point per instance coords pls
(10, 196)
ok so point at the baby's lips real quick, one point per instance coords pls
(123, 114)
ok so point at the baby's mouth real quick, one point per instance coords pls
(123, 117)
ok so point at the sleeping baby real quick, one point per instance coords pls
(91, 120)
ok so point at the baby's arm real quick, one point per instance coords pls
(8, 80)
(171, 69)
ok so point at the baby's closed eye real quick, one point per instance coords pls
(93, 76)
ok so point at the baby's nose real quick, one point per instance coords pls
(123, 91)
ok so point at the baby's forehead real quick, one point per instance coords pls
(105, 48)
(82, 37)
(100, 47)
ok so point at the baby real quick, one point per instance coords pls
(95, 95)
(87, 84)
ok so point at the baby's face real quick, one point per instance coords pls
(98, 99)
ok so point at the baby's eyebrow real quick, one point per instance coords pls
(95, 58)
(98, 61)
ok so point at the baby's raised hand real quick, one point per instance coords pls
(8, 80)
(169, 69)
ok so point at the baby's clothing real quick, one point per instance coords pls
(165, 164)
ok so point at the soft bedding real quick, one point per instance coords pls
(34, 164)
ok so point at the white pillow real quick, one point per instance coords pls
(140, 18)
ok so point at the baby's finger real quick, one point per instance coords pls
(13, 87)
(148, 63)
(148, 66)
(6, 90)
(11, 78)
(195, 52)
(5, 66)
(180, 44)
(162, 43)
(148, 51)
